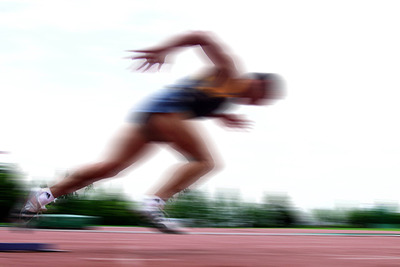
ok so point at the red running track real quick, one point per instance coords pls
(205, 247)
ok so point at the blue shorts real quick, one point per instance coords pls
(176, 100)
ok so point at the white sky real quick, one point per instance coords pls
(333, 141)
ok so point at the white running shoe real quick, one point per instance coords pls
(32, 206)
(153, 211)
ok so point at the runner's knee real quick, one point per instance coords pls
(208, 164)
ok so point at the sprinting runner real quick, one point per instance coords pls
(163, 118)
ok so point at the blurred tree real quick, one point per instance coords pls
(192, 205)
(332, 217)
(281, 209)
(378, 216)
(228, 210)
(11, 188)
(112, 209)
(256, 215)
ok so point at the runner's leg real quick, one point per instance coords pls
(187, 141)
(130, 144)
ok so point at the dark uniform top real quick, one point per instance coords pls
(195, 97)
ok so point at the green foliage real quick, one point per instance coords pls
(377, 216)
(194, 206)
(10, 189)
(333, 217)
(227, 210)
(112, 209)
(380, 216)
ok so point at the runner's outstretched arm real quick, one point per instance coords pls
(213, 49)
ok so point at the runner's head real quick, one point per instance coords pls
(262, 88)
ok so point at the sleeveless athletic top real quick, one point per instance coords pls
(195, 97)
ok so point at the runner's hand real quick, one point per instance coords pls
(234, 121)
(150, 57)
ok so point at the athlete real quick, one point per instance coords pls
(163, 118)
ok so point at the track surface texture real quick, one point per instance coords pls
(129, 246)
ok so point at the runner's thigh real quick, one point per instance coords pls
(128, 146)
(172, 127)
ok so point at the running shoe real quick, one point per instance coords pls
(32, 207)
(153, 212)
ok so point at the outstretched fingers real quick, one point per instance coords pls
(151, 58)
